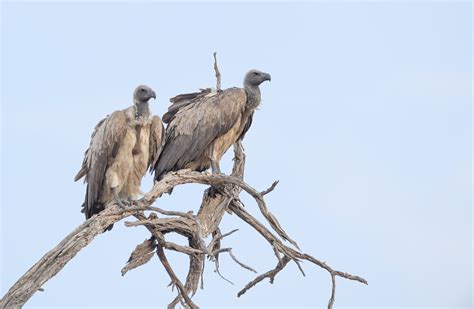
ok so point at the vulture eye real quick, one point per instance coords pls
(142, 90)
(255, 73)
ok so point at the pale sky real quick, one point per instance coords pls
(366, 123)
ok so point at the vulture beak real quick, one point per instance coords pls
(153, 95)
(267, 77)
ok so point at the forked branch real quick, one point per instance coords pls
(182, 223)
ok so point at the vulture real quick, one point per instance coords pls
(123, 146)
(203, 125)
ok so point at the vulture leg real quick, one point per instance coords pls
(118, 200)
(215, 167)
(213, 190)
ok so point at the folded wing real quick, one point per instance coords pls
(196, 124)
(105, 142)
(157, 140)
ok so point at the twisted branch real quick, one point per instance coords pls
(182, 223)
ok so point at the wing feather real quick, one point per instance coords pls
(197, 125)
(105, 141)
(157, 140)
(85, 166)
(183, 100)
(247, 126)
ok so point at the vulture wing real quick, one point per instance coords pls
(157, 140)
(183, 100)
(104, 145)
(196, 125)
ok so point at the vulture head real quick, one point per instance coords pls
(143, 93)
(256, 77)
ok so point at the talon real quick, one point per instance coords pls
(121, 202)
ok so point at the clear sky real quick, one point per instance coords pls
(366, 123)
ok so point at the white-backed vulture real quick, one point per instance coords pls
(203, 125)
(123, 146)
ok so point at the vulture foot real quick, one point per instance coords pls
(123, 203)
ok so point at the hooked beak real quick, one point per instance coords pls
(268, 77)
(153, 95)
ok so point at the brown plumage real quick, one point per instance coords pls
(203, 125)
(123, 146)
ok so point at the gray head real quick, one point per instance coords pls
(256, 77)
(142, 94)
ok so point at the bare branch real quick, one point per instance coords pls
(333, 291)
(218, 74)
(53, 261)
(299, 267)
(269, 274)
(174, 279)
(185, 176)
(216, 262)
(288, 255)
(272, 187)
(229, 233)
(229, 250)
(141, 255)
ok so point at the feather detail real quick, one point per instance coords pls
(203, 128)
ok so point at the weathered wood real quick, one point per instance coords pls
(211, 212)
(53, 261)
(141, 255)
(213, 208)
(218, 73)
(182, 223)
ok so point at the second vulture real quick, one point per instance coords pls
(203, 125)
(123, 146)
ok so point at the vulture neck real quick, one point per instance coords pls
(253, 95)
(142, 110)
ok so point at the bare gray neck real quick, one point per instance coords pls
(253, 95)
(142, 110)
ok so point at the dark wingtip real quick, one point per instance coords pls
(167, 117)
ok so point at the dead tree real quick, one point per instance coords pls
(195, 228)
